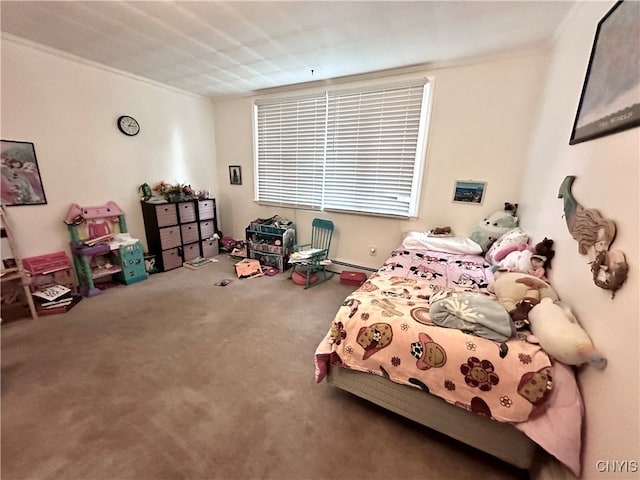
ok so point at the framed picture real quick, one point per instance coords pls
(469, 192)
(610, 99)
(21, 182)
(9, 263)
(235, 175)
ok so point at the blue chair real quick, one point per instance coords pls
(311, 259)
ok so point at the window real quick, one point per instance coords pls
(351, 150)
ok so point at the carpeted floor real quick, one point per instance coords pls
(177, 378)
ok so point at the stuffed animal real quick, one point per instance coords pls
(537, 266)
(510, 288)
(545, 249)
(441, 232)
(512, 208)
(520, 315)
(558, 332)
(525, 261)
(518, 260)
(489, 229)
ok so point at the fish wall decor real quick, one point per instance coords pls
(594, 235)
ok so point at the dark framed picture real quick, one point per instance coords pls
(235, 175)
(9, 263)
(610, 98)
(21, 182)
(469, 192)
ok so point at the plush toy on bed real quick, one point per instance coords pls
(558, 332)
(524, 261)
(545, 249)
(519, 260)
(489, 229)
(510, 288)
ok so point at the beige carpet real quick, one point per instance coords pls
(176, 378)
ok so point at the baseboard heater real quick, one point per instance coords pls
(351, 265)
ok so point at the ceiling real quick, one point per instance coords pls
(225, 49)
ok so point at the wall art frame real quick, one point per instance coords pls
(610, 98)
(21, 180)
(469, 192)
(235, 175)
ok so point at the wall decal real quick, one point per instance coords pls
(594, 235)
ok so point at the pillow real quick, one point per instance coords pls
(508, 242)
(420, 240)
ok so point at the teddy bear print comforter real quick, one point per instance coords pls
(385, 327)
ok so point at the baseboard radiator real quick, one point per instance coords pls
(348, 266)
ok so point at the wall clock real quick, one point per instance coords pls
(128, 125)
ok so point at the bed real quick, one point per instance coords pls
(392, 344)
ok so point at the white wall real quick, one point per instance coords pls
(607, 171)
(482, 118)
(68, 109)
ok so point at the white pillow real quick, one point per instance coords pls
(509, 240)
(420, 240)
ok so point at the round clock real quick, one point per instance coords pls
(128, 125)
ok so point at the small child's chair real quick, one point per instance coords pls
(311, 259)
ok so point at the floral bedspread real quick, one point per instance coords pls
(384, 328)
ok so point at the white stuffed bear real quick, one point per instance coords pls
(491, 228)
(559, 334)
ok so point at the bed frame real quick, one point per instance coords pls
(501, 440)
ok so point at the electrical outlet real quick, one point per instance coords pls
(373, 251)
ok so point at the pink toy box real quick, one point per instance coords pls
(44, 264)
(352, 278)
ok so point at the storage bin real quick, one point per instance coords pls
(206, 209)
(166, 215)
(210, 248)
(191, 251)
(352, 278)
(170, 237)
(189, 233)
(171, 259)
(48, 263)
(207, 229)
(187, 212)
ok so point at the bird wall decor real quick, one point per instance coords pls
(594, 235)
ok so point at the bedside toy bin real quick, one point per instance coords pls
(352, 278)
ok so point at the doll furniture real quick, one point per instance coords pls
(101, 247)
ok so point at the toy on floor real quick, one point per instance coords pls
(560, 334)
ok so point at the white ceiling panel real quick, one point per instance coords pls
(219, 49)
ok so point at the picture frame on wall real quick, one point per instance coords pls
(469, 192)
(21, 181)
(610, 98)
(235, 175)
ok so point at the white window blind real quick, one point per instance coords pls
(372, 150)
(359, 151)
(290, 152)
